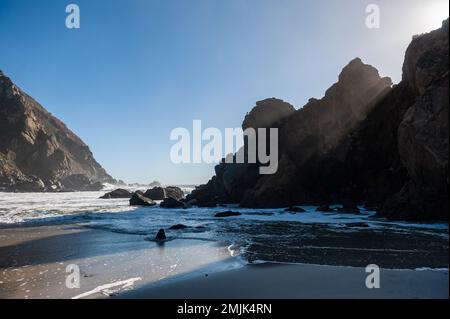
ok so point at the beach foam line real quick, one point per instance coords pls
(443, 270)
(363, 249)
(124, 283)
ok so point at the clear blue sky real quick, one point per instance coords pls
(139, 68)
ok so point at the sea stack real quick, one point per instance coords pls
(365, 142)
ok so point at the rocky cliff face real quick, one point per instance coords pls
(312, 132)
(304, 135)
(38, 152)
(423, 131)
(396, 161)
(364, 142)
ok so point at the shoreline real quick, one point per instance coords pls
(35, 259)
(129, 266)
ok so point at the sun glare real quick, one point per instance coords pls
(433, 13)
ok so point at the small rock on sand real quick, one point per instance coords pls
(161, 236)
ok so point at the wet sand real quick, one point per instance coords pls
(33, 261)
(276, 281)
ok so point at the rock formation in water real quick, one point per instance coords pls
(117, 193)
(38, 152)
(304, 135)
(363, 142)
(160, 193)
(171, 202)
(156, 193)
(138, 199)
(399, 155)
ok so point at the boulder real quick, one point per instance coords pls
(295, 209)
(171, 203)
(178, 226)
(349, 208)
(174, 192)
(156, 193)
(227, 214)
(118, 193)
(325, 209)
(161, 235)
(137, 199)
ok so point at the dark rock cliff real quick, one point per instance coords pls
(364, 142)
(423, 130)
(396, 161)
(38, 152)
(313, 131)
(304, 135)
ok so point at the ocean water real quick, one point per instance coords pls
(253, 227)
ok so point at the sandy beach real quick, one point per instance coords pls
(34, 260)
(277, 281)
